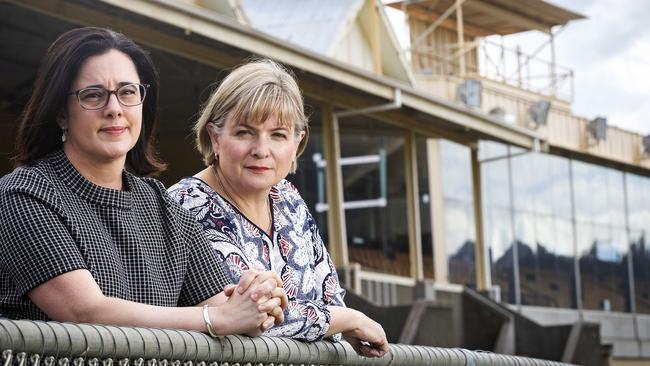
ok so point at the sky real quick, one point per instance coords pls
(609, 53)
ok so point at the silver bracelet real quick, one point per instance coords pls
(208, 323)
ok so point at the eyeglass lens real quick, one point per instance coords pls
(128, 95)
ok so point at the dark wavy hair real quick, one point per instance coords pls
(38, 132)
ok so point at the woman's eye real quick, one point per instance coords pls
(243, 132)
(89, 95)
(280, 135)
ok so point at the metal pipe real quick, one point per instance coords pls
(66, 343)
(395, 104)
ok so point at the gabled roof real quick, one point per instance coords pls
(312, 24)
(488, 17)
(321, 26)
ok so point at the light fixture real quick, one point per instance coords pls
(646, 144)
(538, 113)
(469, 93)
(598, 128)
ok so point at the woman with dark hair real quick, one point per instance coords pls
(84, 240)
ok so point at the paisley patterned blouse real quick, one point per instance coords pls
(295, 251)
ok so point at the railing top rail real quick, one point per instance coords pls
(24, 343)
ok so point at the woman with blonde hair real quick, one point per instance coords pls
(250, 134)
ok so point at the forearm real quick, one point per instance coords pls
(342, 319)
(116, 311)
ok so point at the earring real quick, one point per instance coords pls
(64, 136)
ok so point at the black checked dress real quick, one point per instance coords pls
(138, 243)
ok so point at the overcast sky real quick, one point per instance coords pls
(610, 55)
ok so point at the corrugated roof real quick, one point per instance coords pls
(487, 17)
(312, 24)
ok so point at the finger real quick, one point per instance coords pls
(269, 305)
(278, 313)
(229, 289)
(246, 279)
(370, 352)
(268, 323)
(280, 293)
(263, 276)
(262, 289)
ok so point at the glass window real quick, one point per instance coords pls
(460, 242)
(640, 251)
(374, 189)
(615, 198)
(638, 202)
(603, 269)
(459, 212)
(560, 183)
(499, 242)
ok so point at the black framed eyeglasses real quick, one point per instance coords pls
(94, 97)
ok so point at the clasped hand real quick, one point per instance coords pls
(258, 301)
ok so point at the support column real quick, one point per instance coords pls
(461, 37)
(375, 38)
(338, 242)
(436, 207)
(413, 206)
(480, 251)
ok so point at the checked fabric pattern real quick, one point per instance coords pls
(138, 243)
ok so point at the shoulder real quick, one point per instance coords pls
(288, 192)
(37, 180)
(190, 192)
(151, 190)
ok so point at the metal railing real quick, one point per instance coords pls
(35, 343)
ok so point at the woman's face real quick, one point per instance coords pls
(106, 134)
(254, 157)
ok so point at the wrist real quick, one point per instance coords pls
(207, 319)
(219, 326)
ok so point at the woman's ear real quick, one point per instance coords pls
(214, 135)
(301, 136)
(62, 120)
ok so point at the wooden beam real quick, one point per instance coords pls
(461, 36)
(436, 208)
(480, 253)
(500, 13)
(413, 206)
(336, 229)
(375, 38)
(436, 23)
(417, 13)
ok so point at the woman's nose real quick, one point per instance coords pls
(261, 147)
(113, 107)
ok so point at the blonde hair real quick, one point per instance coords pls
(253, 93)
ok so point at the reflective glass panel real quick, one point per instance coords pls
(499, 243)
(459, 213)
(374, 187)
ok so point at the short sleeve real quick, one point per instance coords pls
(35, 245)
(205, 276)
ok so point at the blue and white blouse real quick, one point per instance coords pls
(295, 251)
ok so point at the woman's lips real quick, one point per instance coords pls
(113, 130)
(258, 169)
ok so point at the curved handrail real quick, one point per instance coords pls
(26, 343)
